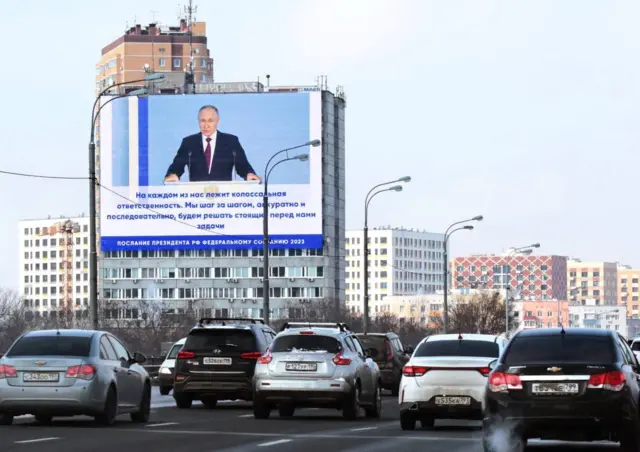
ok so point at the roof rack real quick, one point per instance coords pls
(224, 320)
(339, 325)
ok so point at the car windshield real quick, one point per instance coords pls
(560, 348)
(460, 347)
(173, 353)
(212, 338)
(54, 345)
(376, 342)
(306, 343)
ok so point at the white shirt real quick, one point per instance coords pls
(213, 137)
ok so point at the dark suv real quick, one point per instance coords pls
(563, 384)
(391, 357)
(218, 360)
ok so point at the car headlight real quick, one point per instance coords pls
(165, 371)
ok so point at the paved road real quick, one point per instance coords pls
(230, 427)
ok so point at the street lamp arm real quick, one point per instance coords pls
(460, 222)
(368, 200)
(369, 195)
(266, 167)
(447, 235)
(267, 175)
(97, 113)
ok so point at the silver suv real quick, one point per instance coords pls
(317, 365)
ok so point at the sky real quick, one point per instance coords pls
(524, 112)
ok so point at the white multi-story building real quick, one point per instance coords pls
(54, 264)
(593, 315)
(401, 262)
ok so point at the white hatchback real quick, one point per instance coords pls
(446, 378)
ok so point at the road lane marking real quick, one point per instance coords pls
(37, 440)
(362, 429)
(246, 415)
(164, 424)
(273, 443)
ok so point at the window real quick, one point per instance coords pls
(462, 347)
(312, 343)
(162, 62)
(79, 346)
(210, 339)
(203, 78)
(121, 351)
(173, 353)
(376, 342)
(176, 62)
(106, 350)
(560, 348)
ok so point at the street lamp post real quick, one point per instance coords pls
(528, 249)
(265, 218)
(445, 270)
(93, 245)
(367, 200)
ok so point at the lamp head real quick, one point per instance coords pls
(396, 188)
(478, 218)
(314, 143)
(302, 157)
(535, 245)
(468, 227)
(138, 92)
(405, 179)
(152, 77)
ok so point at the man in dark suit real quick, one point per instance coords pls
(210, 155)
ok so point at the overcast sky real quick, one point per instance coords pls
(525, 112)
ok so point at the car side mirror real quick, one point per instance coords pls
(408, 350)
(139, 358)
(371, 353)
(493, 364)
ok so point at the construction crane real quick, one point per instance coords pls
(67, 229)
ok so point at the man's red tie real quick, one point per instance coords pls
(207, 154)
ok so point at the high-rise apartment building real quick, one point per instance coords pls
(54, 265)
(597, 281)
(531, 277)
(628, 290)
(401, 262)
(157, 48)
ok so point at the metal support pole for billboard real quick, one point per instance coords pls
(93, 182)
(367, 200)
(266, 308)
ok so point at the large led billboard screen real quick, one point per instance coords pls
(187, 171)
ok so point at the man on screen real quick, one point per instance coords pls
(210, 155)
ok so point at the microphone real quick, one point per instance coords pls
(189, 166)
(234, 172)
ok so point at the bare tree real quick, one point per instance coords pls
(14, 318)
(484, 313)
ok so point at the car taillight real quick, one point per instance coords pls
(186, 355)
(340, 360)
(611, 381)
(501, 382)
(308, 333)
(266, 358)
(251, 355)
(414, 371)
(7, 371)
(83, 372)
(485, 371)
(389, 350)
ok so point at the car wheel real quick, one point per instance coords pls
(352, 404)
(142, 416)
(209, 402)
(45, 420)
(286, 410)
(375, 410)
(165, 390)
(110, 410)
(407, 421)
(261, 410)
(183, 401)
(6, 419)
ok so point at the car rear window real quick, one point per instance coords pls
(173, 353)
(560, 349)
(51, 346)
(463, 347)
(376, 342)
(304, 343)
(213, 338)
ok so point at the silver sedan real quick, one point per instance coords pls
(73, 372)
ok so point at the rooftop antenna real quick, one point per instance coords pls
(190, 10)
(153, 16)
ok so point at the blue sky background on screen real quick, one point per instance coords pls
(525, 112)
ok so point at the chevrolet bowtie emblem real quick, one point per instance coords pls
(40, 363)
(554, 369)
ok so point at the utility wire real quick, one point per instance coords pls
(42, 176)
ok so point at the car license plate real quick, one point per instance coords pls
(554, 388)
(40, 377)
(302, 367)
(217, 361)
(453, 400)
